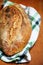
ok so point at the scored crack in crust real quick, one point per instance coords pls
(15, 29)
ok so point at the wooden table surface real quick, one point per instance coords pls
(37, 51)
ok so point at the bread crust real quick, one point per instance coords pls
(15, 29)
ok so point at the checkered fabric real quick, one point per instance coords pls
(24, 55)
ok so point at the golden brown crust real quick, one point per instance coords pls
(16, 29)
